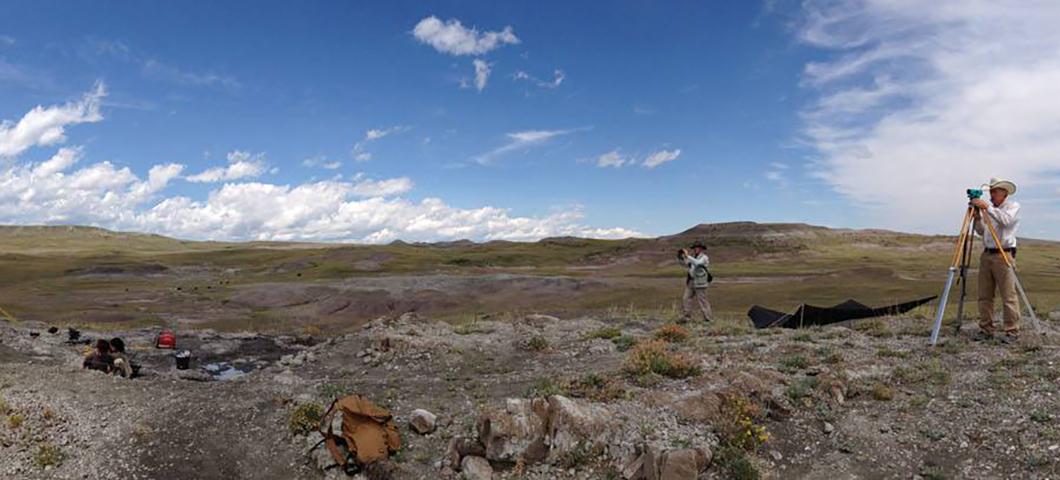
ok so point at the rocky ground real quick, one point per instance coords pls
(534, 396)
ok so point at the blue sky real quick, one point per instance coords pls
(372, 121)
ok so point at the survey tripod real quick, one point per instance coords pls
(962, 254)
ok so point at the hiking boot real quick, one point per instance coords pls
(1008, 339)
(982, 336)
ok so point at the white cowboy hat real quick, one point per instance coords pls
(1003, 184)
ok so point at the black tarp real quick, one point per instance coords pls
(807, 315)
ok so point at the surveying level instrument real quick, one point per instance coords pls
(962, 254)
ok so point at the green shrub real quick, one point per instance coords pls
(306, 418)
(881, 392)
(537, 343)
(48, 455)
(654, 357)
(735, 464)
(14, 421)
(624, 342)
(793, 363)
(606, 333)
(673, 333)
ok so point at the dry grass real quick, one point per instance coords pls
(654, 357)
(673, 333)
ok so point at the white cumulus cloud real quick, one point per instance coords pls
(47, 126)
(453, 38)
(60, 191)
(241, 164)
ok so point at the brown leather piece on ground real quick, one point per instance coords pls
(368, 429)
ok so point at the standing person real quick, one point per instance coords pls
(696, 282)
(993, 273)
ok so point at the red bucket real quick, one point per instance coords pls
(166, 339)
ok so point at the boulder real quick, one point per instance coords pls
(476, 468)
(517, 431)
(460, 447)
(658, 464)
(577, 425)
(679, 464)
(422, 421)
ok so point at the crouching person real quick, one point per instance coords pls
(696, 282)
(100, 358)
(122, 365)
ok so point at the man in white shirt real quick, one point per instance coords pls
(696, 282)
(1003, 213)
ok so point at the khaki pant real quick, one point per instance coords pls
(995, 275)
(699, 296)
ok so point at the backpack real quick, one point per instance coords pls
(701, 277)
(368, 432)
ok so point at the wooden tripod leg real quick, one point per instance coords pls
(1009, 264)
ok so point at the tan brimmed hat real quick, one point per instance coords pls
(1003, 184)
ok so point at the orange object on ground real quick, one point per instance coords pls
(166, 339)
(368, 431)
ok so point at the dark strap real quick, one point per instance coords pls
(330, 439)
(1011, 251)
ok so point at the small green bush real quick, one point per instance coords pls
(673, 333)
(883, 393)
(735, 464)
(624, 342)
(48, 455)
(606, 333)
(306, 418)
(537, 343)
(654, 357)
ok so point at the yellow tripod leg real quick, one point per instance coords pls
(1009, 264)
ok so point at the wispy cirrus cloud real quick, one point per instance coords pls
(522, 141)
(940, 95)
(358, 151)
(616, 159)
(557, 79)
(453, 38)
(377, 133)
(482, 73)
(660, 157)
(613, 159)
(153, 68)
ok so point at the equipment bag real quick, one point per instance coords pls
(368, 432)
(701, 277)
